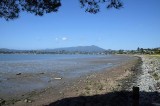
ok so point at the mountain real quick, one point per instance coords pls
(67, 50)
(7, 50)
(4, 49)
(92, 48)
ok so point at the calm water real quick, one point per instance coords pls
(22, 63)
(40, 57)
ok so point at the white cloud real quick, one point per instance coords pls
(61, 39)
(64, 38)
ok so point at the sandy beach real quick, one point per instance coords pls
(108, 87)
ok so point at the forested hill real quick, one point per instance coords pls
(66, 50)
(80, 49)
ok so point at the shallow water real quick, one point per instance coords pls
(39, 71)
(16, 63)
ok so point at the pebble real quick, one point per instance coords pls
(2, 101)
(27, 101)
(18, 74)
(58, 78)
(49, 81)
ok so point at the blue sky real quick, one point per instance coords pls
(135, 25)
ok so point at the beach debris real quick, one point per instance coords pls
(27, 101)
(57, 78)
(41, 73)
(49, 80)
(2, 101)
(19, 74)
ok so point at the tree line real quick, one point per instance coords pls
(138, 51)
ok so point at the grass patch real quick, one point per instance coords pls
(158, 55)
(156, 77)
(87, 88)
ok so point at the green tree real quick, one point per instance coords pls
(141, 50)
(10, 9)
(120, 51)
(138, 49)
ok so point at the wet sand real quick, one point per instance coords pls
(106, 80)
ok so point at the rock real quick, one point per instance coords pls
(2, 101)
(61, 93)
(158, 84)
(118, 85)
(58, 78)
(49, 81)
(18, 74)
(27, 101)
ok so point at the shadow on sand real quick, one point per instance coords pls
(121, 98)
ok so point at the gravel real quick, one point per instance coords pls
(146, 81)
(149, 81)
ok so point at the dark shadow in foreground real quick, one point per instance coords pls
(121, 98)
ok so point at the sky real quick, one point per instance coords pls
(137, 24)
